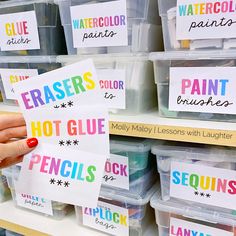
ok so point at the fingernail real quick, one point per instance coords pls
(32, 142)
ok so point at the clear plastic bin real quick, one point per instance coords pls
(164, 61)
(5, 193)
(41, 63)
(144, 29)
(167, 11)
(136, 154)
(190, 214)
(51, 35)
(140, 89)
(208, 161)
(60, 210)
(139, 211)
(11, 233)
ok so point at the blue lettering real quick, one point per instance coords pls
(76, 24)
(223, 86)
(184, 178)
(176, 179)
(63, 166)
(182, 10)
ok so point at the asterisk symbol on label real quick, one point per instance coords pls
(75, 142)
(61, 143)
(196, 192)
(59, 182)
(63, 105)
(202, 194)
(70, 104)
(68, 142)
(56, 106)
(208, 195)
(52, 181)
(66, 184)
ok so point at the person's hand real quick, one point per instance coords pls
(12, 151)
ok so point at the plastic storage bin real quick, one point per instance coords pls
(11, 233)
(191, 64)
(130, 169)
(196, 174)
(139, 212)
(168, 12)
(143, 22)
(173, 215)
(50, 31)
(140, 89)
(2, 232)
(5, 193)
(60, 210)
(40, 64)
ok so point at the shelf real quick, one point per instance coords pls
(152, 126)
(20, 220)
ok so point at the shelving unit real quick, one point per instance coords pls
(152, 126)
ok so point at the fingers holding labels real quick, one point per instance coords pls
(11, 120)
(10, 161)
(17, 148)
(17, 132)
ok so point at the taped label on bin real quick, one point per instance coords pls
(34, 203)
(198, 19)
(108, 218)
(99, 24)
(208, 185)
(19, 31)
(180, 227)
(117, 172)
(11, 76)
(112, 84)
(203, 89)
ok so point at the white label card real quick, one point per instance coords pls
(76, 83)
(19, 31)
(11, 76)
(181, 227)
(207, 185)
(34, 203)
(62, 174)
(108, 218)
(99, 24)
(117, 172)
(203, 89)
(203, 19)
(112, 84)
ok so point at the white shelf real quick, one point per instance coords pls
(10, 216)
(152, 126)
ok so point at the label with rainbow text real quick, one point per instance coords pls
(208, 185)
(112, 84)
(99, 24)
(181, 227)
(19, 31)
(116, 172)
(69, 176)
(203, 89)
(11, 76)
(108, 218)
(34, 203)
(205, 19)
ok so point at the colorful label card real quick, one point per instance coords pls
(203, 89)
(116, 172)
(202, 19)
(62, 174)
(108, 218)
(99, 24)
(34, 203)
(112, 84)
(203, 184)
(12, 76)
(76, 81)
(84, 128)
(19, 31)
(181, 227)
